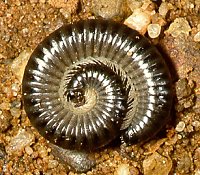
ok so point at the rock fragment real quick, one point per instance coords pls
(139, 21)
(197, 37)
(180, 126)
(28, 150)
(19, 64)
(122, 169)
(183, 89)
(184, 163)
(164, 8)
(5, 118)
(109, 9)
(157, 164)
(154, 30)
(178, 27)
(19, 142)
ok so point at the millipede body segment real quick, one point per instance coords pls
(92, 81)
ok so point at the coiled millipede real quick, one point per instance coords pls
(92, 81)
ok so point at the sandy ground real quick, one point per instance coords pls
(175, 150)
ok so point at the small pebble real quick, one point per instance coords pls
(19, 63)
(28, 173)
(178, 27)
(198, 27)
(189, 102)
(19, 142)
(196, 125)
(180, 126)
(15, 88)
(180, 136)
(15, 112)
(196, 157)
(7, 90)
(42, 152)
(52, 164)
(184, 163)
(197, 172)
(182, 88)
(157, 164)
(134, 4)
(25, 31)
(122, 169)
(5, 105)
(5, 118)
(28, 150)
(16, 104)
(163, 9)
(139, 21)
(33, 1)
(109, 9)
(154, 30)
(197, 37)
(190, 128)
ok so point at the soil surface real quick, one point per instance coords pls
(175, 150)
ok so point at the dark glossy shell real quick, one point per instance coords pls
(94, 80)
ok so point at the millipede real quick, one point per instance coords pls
(92, 81)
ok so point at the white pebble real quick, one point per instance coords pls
(154, 30)
(180, 126)
(197, 172)
(122, 169)
(180, 137)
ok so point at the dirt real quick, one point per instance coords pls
(176, 149)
